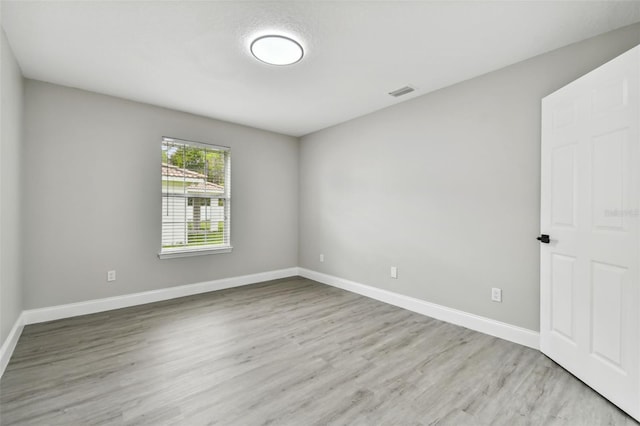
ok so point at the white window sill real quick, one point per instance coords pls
(170, 254)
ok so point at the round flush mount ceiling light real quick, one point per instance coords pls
(277, 50)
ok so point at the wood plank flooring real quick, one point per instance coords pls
(287, 352)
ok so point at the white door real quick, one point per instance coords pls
(590, 208)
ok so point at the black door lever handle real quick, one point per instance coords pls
(544, 238)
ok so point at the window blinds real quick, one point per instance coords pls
(196, 188)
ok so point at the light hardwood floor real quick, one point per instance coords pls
(287, 352)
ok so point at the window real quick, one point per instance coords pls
(195, 198)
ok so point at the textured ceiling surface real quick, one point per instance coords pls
(194, 56)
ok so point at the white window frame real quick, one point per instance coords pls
(226, 247)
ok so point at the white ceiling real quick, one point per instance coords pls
(193, 55)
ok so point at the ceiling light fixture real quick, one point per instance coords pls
(277, 50)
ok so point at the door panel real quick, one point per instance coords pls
(607, 312)
(609, 172)
(564, 185)
(610, 95)
(562, 287)
(590, 206)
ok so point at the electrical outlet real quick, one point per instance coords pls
(394, 272)
(496, 294)
(111, 275)
(321, 257)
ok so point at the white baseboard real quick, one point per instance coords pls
(495, 328)
(9, 344)
(485, 325)
(32, 316)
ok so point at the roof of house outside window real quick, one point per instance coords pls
(210, 187)
(175, 171)
(198, 180)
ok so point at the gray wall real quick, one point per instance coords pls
(11, 121)
(92, 197)
(446, 187)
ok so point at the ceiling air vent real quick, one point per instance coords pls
(401, 91)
